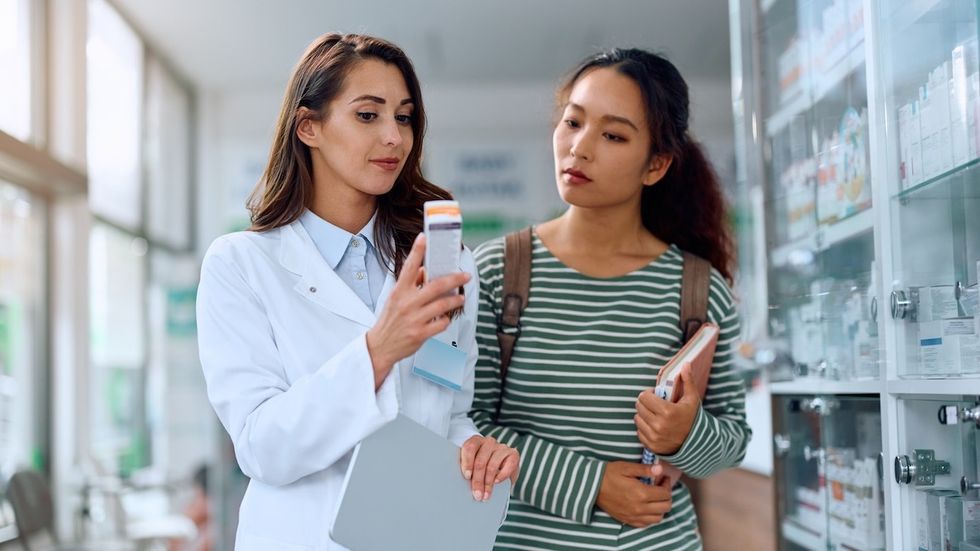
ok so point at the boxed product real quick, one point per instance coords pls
(801, 199)
(928, 525)
(949, 347)
(937, 155)
(905, 145)
(828, 181)
(935, 303)
(939, 92)
(914, 163)
(855, 514)
(959, 129)
(854, 183)
(960, 521)
(791, 81)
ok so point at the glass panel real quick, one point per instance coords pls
(931, 79)
(800, 472)
(118, 349)
(818, 188)
(936, 508)
(168, 158)
(15, 65)
(115, 77)
(22, 269)
(181, 442)
(855, 492)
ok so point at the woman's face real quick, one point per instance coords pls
(365, 135)
(602, 142)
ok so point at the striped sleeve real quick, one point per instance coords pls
(553, 478)
(720, 433)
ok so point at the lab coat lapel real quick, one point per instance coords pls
(318, 282)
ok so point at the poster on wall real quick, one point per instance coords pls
(492, 182)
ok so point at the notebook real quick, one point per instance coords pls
(699, 352)
(404, 490)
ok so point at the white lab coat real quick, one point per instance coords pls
(282, 343)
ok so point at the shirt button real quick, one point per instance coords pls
(356, 243)
(312, 289)
(359, 275)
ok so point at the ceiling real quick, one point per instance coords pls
(229, 44)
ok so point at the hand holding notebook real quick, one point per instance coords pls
(698, 355)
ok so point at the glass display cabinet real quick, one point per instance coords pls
(858, 141)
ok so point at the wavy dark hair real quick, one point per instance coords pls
(687, 207)
(286, 186)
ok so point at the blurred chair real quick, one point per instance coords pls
(30, 499)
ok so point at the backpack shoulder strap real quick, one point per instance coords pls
(517, 286)
(695, 285)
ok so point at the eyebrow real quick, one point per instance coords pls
(382, 101)
(609, 118)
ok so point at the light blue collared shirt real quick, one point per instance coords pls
(353, 257)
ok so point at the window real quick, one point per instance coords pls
(168, 113)
(118, 348)
(15, 66)
(115, 90)
(22, 310)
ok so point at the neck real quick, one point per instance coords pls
(612, 229)
(342, 205)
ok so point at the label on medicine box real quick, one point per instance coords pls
(949, 346)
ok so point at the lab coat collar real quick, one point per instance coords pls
(318, 281)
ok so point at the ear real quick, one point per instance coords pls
(307, 127)
(659, 165)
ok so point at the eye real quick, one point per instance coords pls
(404, 119)
(571, 123)
(366, 116)
(614, 137)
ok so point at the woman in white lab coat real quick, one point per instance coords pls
(308, 322)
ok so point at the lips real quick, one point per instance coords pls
(386, 163)
(576, 176)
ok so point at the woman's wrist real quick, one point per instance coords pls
(379, 361)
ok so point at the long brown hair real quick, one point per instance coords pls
(686, 207)
(286, 186)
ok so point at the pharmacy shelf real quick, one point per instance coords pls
(781, 118)
(825, 237)
(813, 385)
(969, 386)
(803, 537)
(939, 186)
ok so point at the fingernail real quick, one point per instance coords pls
(467, 276)
(486, 496)
(467, 474)
(477, 495)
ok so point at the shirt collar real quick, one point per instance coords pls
(332, 241)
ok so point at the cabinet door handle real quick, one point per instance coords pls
(901, 304)
(967, 485)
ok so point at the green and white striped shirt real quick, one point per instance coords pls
(589, 347)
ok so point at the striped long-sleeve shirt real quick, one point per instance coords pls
(589, 347)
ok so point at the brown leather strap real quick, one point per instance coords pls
(694, 294)
(517, 287)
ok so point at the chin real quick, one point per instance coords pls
(378, 187)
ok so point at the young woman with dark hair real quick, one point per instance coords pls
(603, 316)
(308, 323)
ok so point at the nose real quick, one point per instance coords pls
(581, 146)
(392, 136)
